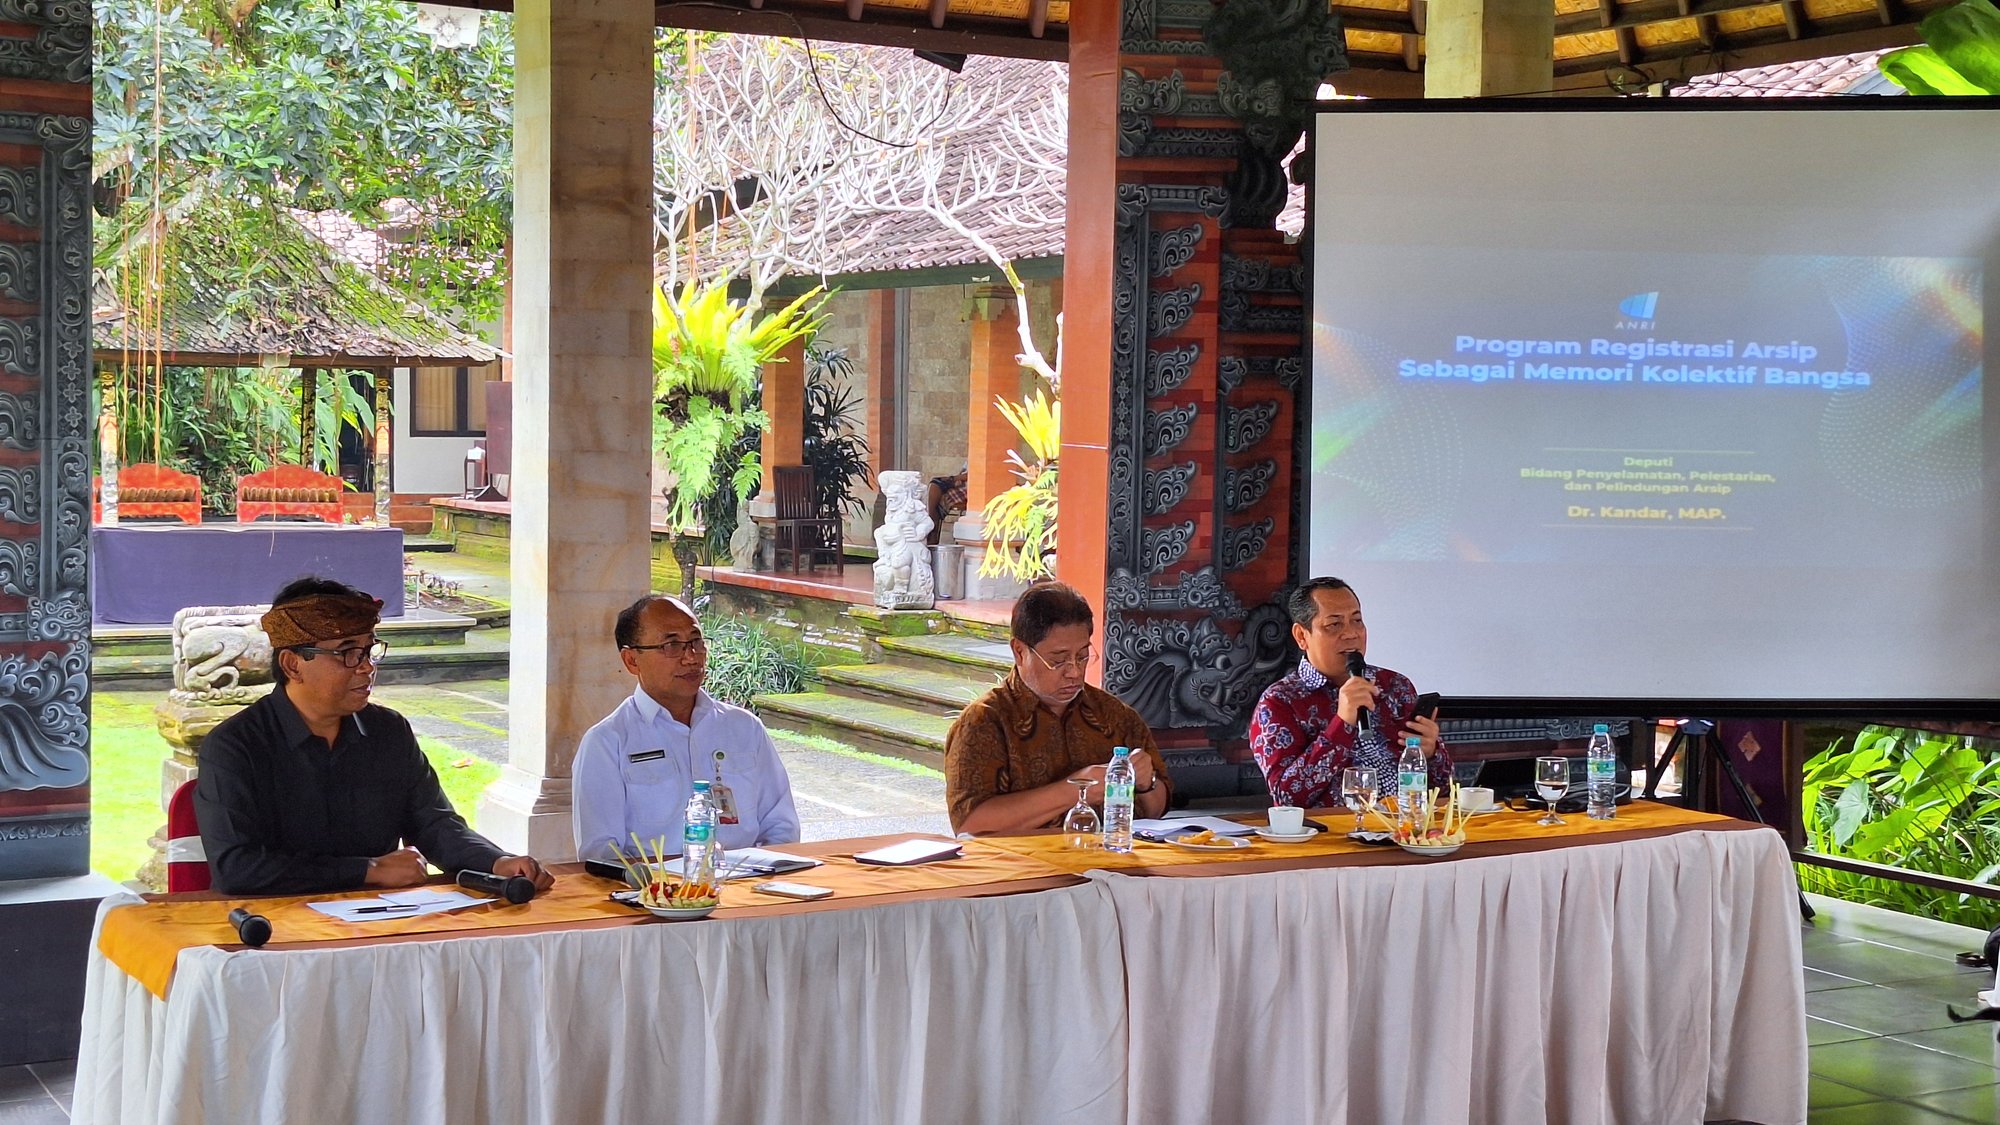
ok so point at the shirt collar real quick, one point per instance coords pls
(1310, 676)
(293, 724)
(651, 711)
(1028, 707)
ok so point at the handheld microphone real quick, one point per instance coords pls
(515, 889)
(1365, 721)
(252, 930)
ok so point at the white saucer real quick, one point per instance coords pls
(1298, 837)
(1492, 808)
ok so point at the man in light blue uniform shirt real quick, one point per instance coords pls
(636, 768)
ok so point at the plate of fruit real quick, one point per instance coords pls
(1435, 827)
(662, 895)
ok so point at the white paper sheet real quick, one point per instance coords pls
(762, 863)
(398, 904)
(1167, 827)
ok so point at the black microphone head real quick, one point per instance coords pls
(518, 890)
(1356, 666)
(253, 929)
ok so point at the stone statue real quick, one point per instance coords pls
(902, 562)
(220, 655)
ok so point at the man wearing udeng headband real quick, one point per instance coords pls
(1306, 728)
(312, 788)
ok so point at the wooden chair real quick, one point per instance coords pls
(801, 527)
(289, 492)
(150, 492)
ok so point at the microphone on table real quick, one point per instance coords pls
(1365, 721)
(515, 889)
(252, 930)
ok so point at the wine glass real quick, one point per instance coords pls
(1357, 789)
(1551, 782)
(1080, 826)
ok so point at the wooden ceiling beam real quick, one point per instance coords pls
(1038, 18)
(938, 10)
(1002, 38)
(1638, 13)
(1843, 35)
(1413, 57)
(1794, 23)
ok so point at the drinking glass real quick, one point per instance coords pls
(1357, 789)
(1551, 782)
(1080, 826)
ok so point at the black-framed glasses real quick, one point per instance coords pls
(350, 658)
(674, 650)
(1082, 659)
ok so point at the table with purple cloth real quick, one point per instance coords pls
(140, 575)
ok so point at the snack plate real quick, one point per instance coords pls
(679, 913)
(1430, 849)
(1222, 844)
(1299, 837)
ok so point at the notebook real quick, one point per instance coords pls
(911, 852)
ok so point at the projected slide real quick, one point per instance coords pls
(1653, 410)
(1675, 406)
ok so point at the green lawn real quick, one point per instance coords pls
(127, 751)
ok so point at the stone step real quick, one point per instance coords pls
(866, 724)
(420, 629)
(480, 657)
(932, 689)
(968, 654)
(420, 541)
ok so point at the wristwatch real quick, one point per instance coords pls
(1152, 785)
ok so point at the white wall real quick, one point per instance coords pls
(433, 466)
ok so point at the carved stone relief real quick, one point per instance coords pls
(1245, 426)
(1166, 429)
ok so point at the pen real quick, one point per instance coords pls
(384, 909)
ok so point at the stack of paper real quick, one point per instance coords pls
(412, 903)
(1160, 829)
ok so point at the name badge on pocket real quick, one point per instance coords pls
(648, 756)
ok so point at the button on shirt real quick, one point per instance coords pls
(637, 767)
(281, 813)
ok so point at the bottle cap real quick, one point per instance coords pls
(1413, 740)
(1601, 728)
(701, 786)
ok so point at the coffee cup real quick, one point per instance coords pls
(1286, 820)
(1475, 799)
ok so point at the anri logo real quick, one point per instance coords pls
(1637, 311)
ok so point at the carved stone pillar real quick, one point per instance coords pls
(47, 897)
(1201, 356)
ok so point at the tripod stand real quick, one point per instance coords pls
(1698, 745)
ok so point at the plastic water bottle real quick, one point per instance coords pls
(1603, 775)
(1413, 782)
(699, 842)
(1119, 779)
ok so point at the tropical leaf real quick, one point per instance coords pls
(1960, 54)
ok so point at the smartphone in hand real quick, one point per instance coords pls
(1427, 704)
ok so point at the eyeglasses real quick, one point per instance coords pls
(350, 658)
(1082, 659)
(674, 650)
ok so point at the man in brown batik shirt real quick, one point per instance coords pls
(1010, 757)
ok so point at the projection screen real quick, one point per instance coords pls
(1663, 404)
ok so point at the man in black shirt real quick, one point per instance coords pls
(312, 788)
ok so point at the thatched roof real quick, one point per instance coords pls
(240, 283)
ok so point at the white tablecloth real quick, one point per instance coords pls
(1654, 981)
(960, 1010)
(1650, 982)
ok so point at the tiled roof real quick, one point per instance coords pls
(1841, 74)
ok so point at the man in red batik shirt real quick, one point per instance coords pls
(1305, 730)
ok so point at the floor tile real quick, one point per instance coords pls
(59, 1077)
(1956, 989)
(1818, 980)
(19, 1084)
(1876, 964)
(44, 1112)
(1883, 1011)
(1896, 1070)
(1825, 1093)
(1881, 1113)
(1972, 1041)
(1980, 1103)
(1820, 1031)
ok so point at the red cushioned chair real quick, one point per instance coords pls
(187, 864)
